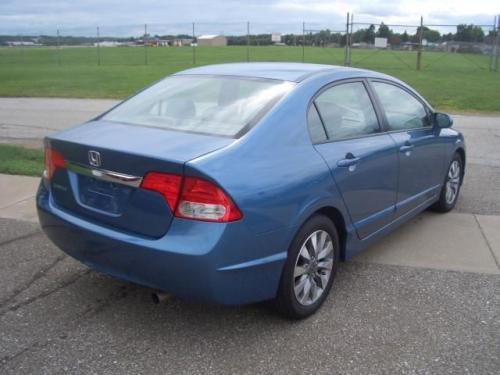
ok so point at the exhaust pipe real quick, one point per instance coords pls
(160, 297)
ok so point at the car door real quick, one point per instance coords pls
(363, 161)
(421, 156)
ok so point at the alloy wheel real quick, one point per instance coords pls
(313, 267)
(452, 182)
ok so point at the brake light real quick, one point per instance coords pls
(202, 200)
(53, 160)
(192, 198)
(166, 184)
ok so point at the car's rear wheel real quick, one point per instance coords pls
(451, 188)
(310, 268)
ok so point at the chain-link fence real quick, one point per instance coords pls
(351, 42)
(421, 46)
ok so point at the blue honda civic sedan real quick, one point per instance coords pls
(239, 183)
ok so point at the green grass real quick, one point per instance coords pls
(451, 82)
(20, 160)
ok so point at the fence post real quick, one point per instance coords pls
(98, 47)
(58, 49)
(420, 36)
(346, 47)
(193, 47)
(303, 41)
(496, 41)
(248, 41)
(23, 60)
(350, 40)
(145, 41)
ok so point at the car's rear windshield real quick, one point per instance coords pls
(214, 105)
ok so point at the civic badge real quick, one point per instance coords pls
(94, 158)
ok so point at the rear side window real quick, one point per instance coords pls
(316, 128)
(402, 110)
(214, 105)
(347, 111)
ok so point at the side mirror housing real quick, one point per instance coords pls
(442, 120)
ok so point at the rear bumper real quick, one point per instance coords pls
(211, 262)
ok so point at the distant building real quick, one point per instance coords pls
(467, 47)
(179, 42)
(18, 44)
(107, 43)
(212, 40)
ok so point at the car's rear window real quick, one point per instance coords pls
(215, 105)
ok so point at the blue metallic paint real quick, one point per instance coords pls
(273, 173)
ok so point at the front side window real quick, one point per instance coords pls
(224, 106)
(347, 111)
(403, 110)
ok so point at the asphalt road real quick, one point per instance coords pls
(56, 316)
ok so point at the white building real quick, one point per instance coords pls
(212, 40)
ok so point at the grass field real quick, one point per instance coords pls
(20, 160)
(451, 82)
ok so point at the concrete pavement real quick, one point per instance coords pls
(28, 120)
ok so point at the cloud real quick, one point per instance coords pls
(230, 16)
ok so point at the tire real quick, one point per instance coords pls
(453, 181)
(299, 272)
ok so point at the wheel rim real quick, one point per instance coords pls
(453, 182)
(313, 267)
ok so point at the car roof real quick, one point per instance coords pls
(295, 72)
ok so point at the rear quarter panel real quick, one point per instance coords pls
(273, 173)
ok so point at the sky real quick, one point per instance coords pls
(127, 17)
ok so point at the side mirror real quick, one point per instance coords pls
(442, 120)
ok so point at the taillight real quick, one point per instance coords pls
(192, 198)
(202, 200)
(53, 160)
(166, 184)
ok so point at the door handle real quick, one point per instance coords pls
(348, 161)
(406, 147)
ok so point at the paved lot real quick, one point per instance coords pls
(423, 300)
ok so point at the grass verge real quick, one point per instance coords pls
(449, 81)
(20, 160)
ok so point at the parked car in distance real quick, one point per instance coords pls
(240, 183)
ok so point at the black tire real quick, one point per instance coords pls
(287, 302)
(443, 204)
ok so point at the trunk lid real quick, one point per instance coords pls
(105, 162)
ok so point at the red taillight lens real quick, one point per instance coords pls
(192, 198)
(166, 184)
(53, 160)
(202, 200)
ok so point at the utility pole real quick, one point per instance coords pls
(420, 36)
(98, 47)
(248, 41)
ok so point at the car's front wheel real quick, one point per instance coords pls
(310, 268)
(451, 188)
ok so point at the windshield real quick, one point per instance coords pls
(224, 106)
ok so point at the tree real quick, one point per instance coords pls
(384, 31)
(405, 37)
(370, 35)
(469, 33)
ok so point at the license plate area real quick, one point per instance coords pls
(102, 195)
